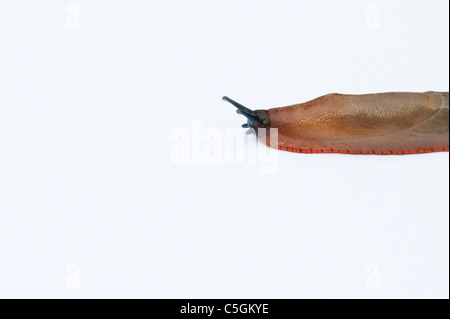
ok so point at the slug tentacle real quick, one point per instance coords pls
(255, 119)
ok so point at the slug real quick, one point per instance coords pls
(382, 124)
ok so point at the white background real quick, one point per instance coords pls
(92, 203)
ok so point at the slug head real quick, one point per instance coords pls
(255, 119)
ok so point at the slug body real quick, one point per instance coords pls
(384, 124)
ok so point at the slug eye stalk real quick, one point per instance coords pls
(255, 119)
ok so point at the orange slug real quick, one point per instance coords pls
(382, 124)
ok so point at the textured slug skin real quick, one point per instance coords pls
(387, 123)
